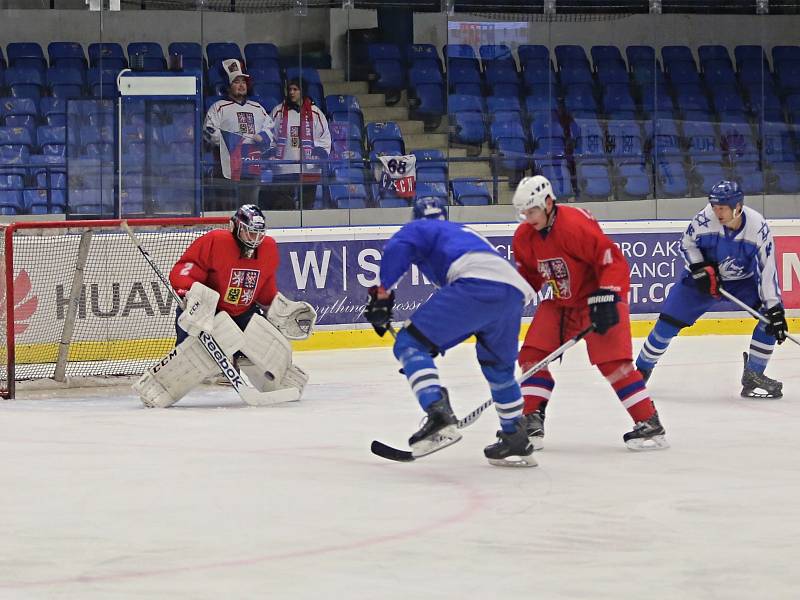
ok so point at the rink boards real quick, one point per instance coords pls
(331, 268)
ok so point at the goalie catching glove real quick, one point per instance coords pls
(295, 320)
(198, 312)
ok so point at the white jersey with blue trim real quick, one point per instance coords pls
(748, 251)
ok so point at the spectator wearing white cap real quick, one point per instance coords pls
(241, 132)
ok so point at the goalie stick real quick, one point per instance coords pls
(247, 392)
(753, 312)
(384, 451)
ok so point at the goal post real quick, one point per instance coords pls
(80, 301)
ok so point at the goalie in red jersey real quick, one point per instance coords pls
(228, 281)
(563, 248)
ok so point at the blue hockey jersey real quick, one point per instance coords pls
(741, 254)
(444, 252)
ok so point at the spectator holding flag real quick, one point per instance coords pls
(242, 131)
(301, 134)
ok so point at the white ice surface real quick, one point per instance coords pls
(101, 499)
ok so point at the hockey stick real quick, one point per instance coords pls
(470, 418)
(247, 392)
(385, 451)
(753, 312)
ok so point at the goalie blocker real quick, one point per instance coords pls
(262, 351)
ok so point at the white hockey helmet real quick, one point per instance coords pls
(532, 192)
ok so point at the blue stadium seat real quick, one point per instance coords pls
(467, 120)
(501, 108)
(102, 83)
(575, 73)
(748, 53)
(65, 82)
(54, 110)
(431, 165)
(532, 52)
(705, 175)
(387, 71)
(785, 55)
(435, 189)
(682, 73)
(538, 73)
(667, 144)
(107, 55)
(426, 89)
(51, 139)
(67, 55)
(640, 55)
(594, 181)
(647, 75)
(729, 104)
(560, 178)
(16, 136)
(692, 102)
(423, 56)
(500, 72)
(750, 177)
(468, 192)
(349, 174)
(671, 180)
(11, 202)
(19, 112)
(496, 54)
(219, 51)
(508, 137)
(672, 55)
(609, 73)
(571, 55)
(787, 77)
(542, 99)
(702, 141)
(764, 102)
(460, 55)
(633, 182)
(385, 137)
(26, 55)
(548, 138)
(754, 72)
(465, 80)
(11, 182)
(25, 82)
(147, 56)
(579, 101)
(624, 142)
(261, 55)
(709, 53)
(590, 142)
(345, 108)
(605, 54)
(191, 53)
(618, 102)
(266, 74)
(719, 73)
(783, 177)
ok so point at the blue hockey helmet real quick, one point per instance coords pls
(430, 207)
(726, 193)
(249, 226)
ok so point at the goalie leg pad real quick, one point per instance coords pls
(295, 320)
(295, 377)
(266, 347)
(171, 378)
(227, 333)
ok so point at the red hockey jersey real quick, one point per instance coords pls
(215, 260)
(575, 258)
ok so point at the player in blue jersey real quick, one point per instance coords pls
(726, 245)
(478, 293)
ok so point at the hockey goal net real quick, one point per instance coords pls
(80, 301)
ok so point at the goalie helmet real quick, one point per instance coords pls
(726, 193)
(532, 192)
(249, 226)
(430, 207)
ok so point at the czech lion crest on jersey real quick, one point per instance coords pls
(555, 273)
(242, 286)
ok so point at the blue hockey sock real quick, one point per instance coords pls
(656, 344)
(761, 346)
(505, 393)
(419, 368)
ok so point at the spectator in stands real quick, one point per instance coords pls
(301, 134)
(241, 132)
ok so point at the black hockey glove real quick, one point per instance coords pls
(603, 311)
(777, 323)
(706, 278)
(379, 312)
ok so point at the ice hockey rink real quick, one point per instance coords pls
(103, 499)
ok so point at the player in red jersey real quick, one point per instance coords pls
(228, 281)
(563, 248)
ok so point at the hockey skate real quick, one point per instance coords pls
(751, 381)
(646, 435)
(438, 430)
(534, 427)
(511, 449)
